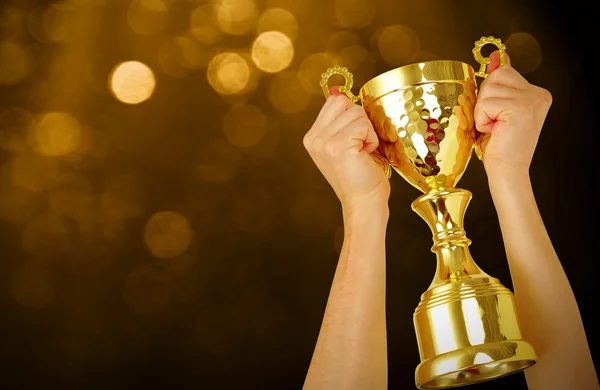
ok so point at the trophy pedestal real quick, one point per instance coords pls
(466, 324)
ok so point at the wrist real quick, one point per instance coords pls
(370, 211)
(505, 186)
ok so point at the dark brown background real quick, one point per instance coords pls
(244, 305)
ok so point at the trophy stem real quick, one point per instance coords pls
(444, 211)
(466, 323)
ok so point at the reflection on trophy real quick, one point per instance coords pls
(466, 323)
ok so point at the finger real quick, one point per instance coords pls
(491, 90)
(332, 109)
(507, 76)
(495, 61)
(489, 111)
(358, 136)
(335, 91)
(350, 116)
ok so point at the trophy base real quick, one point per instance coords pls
(468, 332)
(460, 368)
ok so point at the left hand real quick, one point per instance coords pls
(512, 111)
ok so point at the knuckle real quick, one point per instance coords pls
(545, 95)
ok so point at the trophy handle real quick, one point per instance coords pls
(347, 89)
(484, 62)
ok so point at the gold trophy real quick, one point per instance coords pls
(466, 323)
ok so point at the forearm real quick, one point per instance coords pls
(351, 351)
(548, 311)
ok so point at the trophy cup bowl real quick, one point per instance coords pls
(466, 323)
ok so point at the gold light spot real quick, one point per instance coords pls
(354, 13)
(46, 235)
(245, 125)
(35, 172)
(525, 52)
(398, 45)
(217, 160)
(278, 19)
(272, 51)
(15, 64)
(167, 234)
(203, 26)
(32, 286)
(236, 17)
(132, 82)
(286, 93)
(311, 69)
(58, 23)
(147, 17)
(147, 290)
(228, 73)
(55, 134)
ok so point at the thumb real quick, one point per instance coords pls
(495, 61)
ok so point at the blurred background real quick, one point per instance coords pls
(160, 221)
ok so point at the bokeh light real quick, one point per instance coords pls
(311, 69)
(272, 51)
(132, 82)
(15, 63)
(167, 234)
(147, 17)
(58, 23)
(398, 44)
(278, 19)
(525, 52)
(354, 14)
(203, 26)
(32, 285)
(286, 93)
(55, 134)
(228, 73)
(245, 125)
(34, 172)
(236, 17)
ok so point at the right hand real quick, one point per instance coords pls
(340, 142)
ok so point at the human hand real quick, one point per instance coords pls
(341, 143)
(511, 111)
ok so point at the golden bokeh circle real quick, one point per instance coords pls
(272, 51)
(525, 52)
(147, 17)
(245, 125)
(354, 14)
(235, 17)
(228, 73)
(278, 19)
(167, 234)
(132, 82)
(286, 93)
(203, 26)
(15, 63)
(398, 44)
(55, 134)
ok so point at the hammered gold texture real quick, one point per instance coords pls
(426, 131)
(466, 323)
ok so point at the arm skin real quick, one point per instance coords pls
(351, 350)
(548, 311)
